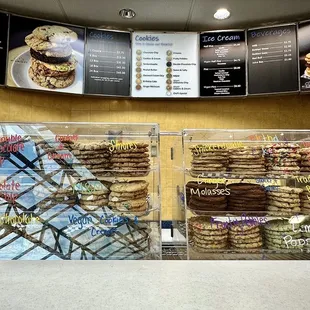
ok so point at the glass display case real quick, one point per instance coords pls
(247, 193)
(79, 191)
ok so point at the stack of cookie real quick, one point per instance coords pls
(131, 162)
(284, 202)
(205, 235)
(206, 197)
(282, 159)
(91, 198)
(306, 236)
(305, 160)
(208, 160)
(246, 197)
(63, 196)
(276, 230)
(246, 161)
(129, 197)
(305, 202)
(52, 63)
(93, 156)
(244, 237)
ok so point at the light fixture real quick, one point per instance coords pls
(221, 14)
(127, 13)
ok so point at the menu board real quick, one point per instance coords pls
(272, 60)
(4, 24)
(107, 62)
(304, 55)
(164, 65)
(223, 63)
(45, 55)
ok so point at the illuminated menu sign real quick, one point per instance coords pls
(272, 60)
(107, 63)
(165, 65)
(4, 22)
(223, 63)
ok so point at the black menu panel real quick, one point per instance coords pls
(304, 55)
(272, 60)
(4, 24)
(108, 55)
(223, 63)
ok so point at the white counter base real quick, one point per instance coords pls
(173, 285)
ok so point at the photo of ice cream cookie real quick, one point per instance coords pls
(52, 63)
(307, 60)
(45, 56)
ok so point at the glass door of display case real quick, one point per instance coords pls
(247, 193)
(79, 191)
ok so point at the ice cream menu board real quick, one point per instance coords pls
(272, 60)
(107, 62)
(4, 24)
(304, 55)
(45, 55)
(164, 65)
(223, 63)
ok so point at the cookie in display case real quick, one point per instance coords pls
(247, 193)
(79, 191)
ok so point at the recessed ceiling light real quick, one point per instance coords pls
(127, 13)
(221, 14)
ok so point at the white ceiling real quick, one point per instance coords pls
(163, 14)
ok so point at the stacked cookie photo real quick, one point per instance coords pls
(284, 202)
(305, 160)
(129, 197)
(246, 161)
(206, 236)
(246, 197)
(244, 237)
(282, 159)
(276, 232)
(307, 60)
(130, 161)
(94, 157)
(52, 63)
(206, 197)
(208, 159)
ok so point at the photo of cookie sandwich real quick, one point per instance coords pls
(45, 55)
(52, 63)
(307, 60)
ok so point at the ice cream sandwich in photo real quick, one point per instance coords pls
(52, 63)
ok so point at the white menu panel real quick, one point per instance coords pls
(165, 65)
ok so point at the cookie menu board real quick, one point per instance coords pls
(45, 55)
(107, 62)
(164, 65)
(223, 63)
(304, 55)
(272, 60)
(4, 24)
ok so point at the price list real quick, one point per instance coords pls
(222, 63)
(165, 65)
(107, 63)
(273, 66)
(4, 20)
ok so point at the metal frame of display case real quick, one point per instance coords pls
(36, 226)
